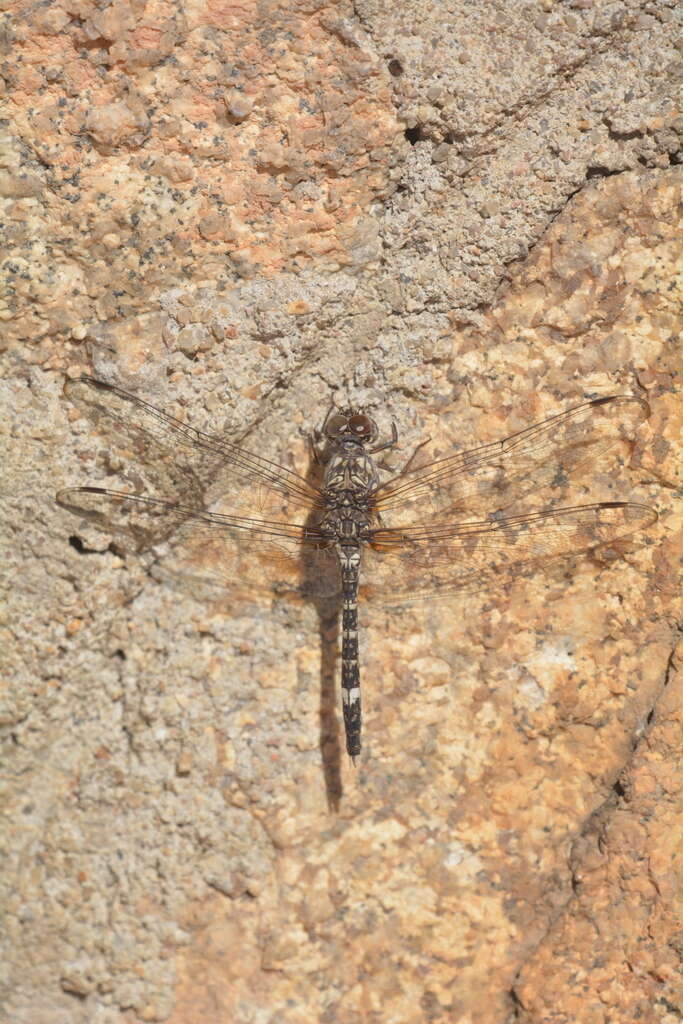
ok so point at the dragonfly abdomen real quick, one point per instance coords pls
(349, 560)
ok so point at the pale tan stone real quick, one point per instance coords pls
(217, 206)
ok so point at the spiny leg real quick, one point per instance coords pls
(318, 436)
(406, 467)
(391, 443)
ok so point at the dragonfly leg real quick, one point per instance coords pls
(321, 432)
(387, 444)
(313, 440)
(406, 468)
(318, 436)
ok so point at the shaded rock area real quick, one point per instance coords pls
(465, 217)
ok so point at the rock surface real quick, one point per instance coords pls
(467, 218)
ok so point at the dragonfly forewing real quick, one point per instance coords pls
(498, 476)
(192, 460)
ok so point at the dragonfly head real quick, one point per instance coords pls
(350, 428)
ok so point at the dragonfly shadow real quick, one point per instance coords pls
(327, 611)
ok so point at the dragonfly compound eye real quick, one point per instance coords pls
(336, 425)
(361, 426)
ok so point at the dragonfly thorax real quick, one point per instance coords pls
(350, 478)
(349, 482)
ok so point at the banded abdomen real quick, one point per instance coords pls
(349, 559)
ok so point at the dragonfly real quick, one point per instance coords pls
(436, 529)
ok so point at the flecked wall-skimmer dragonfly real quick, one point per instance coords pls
(432, 531)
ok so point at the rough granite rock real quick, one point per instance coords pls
(466, 217)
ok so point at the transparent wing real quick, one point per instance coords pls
(184, 459)
(214, 549)
(404, 566)
(497, 476)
